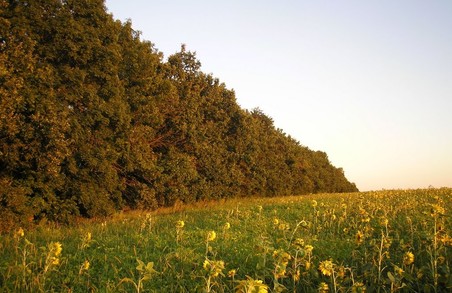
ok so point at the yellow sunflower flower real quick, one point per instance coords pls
(408, 258)
(326, 267)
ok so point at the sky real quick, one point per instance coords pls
(367, 82)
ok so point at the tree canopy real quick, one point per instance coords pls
(93, 119)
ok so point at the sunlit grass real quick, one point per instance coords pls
(382, 241)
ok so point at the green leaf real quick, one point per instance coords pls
(391, 277)
(140, 266)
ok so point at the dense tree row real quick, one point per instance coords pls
(92, 119)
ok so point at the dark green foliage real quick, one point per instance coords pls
(93, 120)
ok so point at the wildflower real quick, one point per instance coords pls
(19, 233)
(211, 236)
(251, 286)
(281, 256)
(408, 258)
(275, 221)
(314, 203)
(55, 261)
(359, 237)
(232, 273)
(85, 265)
(213, 268)
(307, 265)
(323, 287)
(398, 270)
(326, 267)
(297, 275)
(308, 248)
(283, 226)
(86, 240)
(180, 224)
(446, 240)
(358, 287)
(341, 272)
(227, 226)
(437, 210)
(298, 243)
(56, 248)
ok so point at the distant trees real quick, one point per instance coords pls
(92, 119)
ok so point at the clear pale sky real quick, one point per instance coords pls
(367, 82)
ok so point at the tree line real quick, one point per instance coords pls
(93, 119)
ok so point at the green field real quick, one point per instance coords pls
(383, 241)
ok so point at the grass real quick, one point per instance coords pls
(383, 241)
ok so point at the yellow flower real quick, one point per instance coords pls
(358, 287)
(180, 224)
(55, 261)
(56, 247)
(227, 226)
(251, 286)
(213, 268)
(398, 270)
(323, 287)
(446, 240)
(437, 209)
(20, 233)
(275, 221)
(314, 203)
(84, 267)
(307, 265)
(298, 243)
(326, 267)
(283, 226)
(211, 236)
(341, 272)
(359, 237)
(206, 264)
(232, 273)
(86, 240)
(308, 248)
(281, 256)
(408, 258)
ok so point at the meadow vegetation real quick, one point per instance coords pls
(385, 241)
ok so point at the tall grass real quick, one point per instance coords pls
(383, 241)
